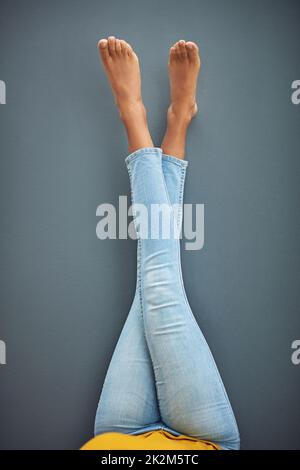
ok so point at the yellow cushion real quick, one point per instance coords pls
(152, 440)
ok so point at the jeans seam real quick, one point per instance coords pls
(180, 212)
(139, 275)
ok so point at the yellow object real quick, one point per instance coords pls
(152, 440)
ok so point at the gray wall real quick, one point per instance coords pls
(65, 294)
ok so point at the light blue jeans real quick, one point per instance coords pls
(162, 374)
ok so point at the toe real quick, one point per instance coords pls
(192, 50)
(128, 48)
(118, 47)
(123, 47)
(103, 49)
(172, 52)
(177, 51)
(112, 45)
(182, 49)
(192, 45)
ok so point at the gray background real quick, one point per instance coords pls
(64, 293)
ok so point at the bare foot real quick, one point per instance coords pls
(184, 66)
(123, 71)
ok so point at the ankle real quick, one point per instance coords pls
(132, 109)
(180, 116)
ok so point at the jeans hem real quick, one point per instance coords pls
(155, 151)
(175, 160)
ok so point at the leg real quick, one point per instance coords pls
(144, 143)
(123, 71)
(184, 66)
(128, 399)
(133, 396)
(192, 398)
(191, 395)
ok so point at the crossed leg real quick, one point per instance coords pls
(162, 373)
(128, 401)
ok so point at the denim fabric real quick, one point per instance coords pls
(162, 374)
